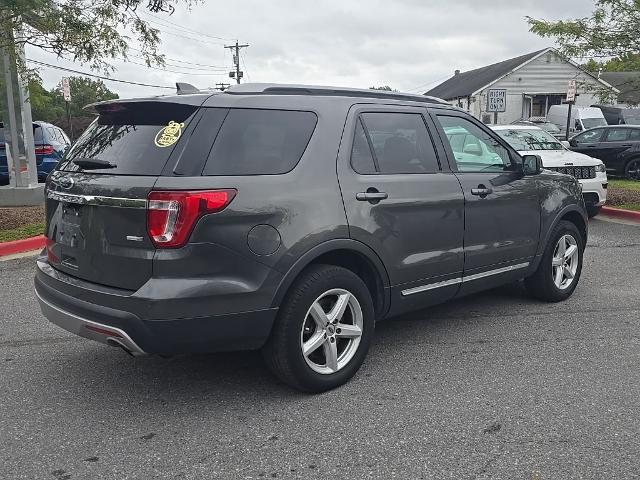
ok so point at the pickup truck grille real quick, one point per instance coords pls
(581, 173)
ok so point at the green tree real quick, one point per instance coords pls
(84, 91)
(386, 88)
(612, 31)
(86, 31)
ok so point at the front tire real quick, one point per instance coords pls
(323, 330)
(559, 271)
(593, 211)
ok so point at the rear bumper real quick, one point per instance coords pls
(237, 331)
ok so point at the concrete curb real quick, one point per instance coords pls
(621, 213)
(24, 245)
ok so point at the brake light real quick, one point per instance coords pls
(44, 150)
(172, 215)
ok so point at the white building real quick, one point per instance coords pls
(532, 83)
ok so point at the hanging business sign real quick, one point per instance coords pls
(497, 100)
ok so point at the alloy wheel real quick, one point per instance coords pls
(331, 331)
(633, 170)
(565, 261)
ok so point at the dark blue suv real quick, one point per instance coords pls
(51, 143)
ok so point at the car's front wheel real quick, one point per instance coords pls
(559, 271)
(323, 330)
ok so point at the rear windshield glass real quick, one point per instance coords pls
(260, 142)
(134, 138)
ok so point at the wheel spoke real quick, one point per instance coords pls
(562, 247)
(568, 273)
(319, 315)
(570, 252)
(331, 355)
(557, 261)
(348, 331)
(557, 277)
(338, 309)
(311, 345)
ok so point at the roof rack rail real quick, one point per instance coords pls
(274, 89)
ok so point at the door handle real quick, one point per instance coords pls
(481, 191)
(626, 145)
(371, 195)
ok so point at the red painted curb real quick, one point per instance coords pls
(24, 245)
(621, 213)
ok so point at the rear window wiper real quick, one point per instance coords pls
(93, 163)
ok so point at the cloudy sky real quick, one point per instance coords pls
(411, 45)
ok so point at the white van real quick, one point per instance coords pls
(582, 118)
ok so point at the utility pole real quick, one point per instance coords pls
(235, 49)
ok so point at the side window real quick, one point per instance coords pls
(260, 142)
(361, 157)
(474, 149)
(401, 143)
(634, 134)
(592, 136)
(617, 135)
(63, 137)
(38, 137)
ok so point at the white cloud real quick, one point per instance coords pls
(404, 43)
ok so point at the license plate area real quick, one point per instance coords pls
(70, 231)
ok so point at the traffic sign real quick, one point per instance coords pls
(497, 100)
(66, 89)
(571, 91)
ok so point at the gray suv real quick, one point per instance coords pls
(291, 219)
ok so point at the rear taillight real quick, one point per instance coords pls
(171, 216)
(44, 150)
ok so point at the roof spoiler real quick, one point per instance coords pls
(185, 88)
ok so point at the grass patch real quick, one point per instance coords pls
(624, 184)
(26, 231)
(628, 206)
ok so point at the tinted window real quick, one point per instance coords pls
(591, 136)
(474, 149)
(135, 137)
(260, 142)
(617, 135)
(634, 134)
(401, 142)
(361, 157)
(38, 136)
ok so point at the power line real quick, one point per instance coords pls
(167, 24)
(174, 71)
(244, 65)
(97, 76)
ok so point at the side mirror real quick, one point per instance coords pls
(531, 164)
(565, 144)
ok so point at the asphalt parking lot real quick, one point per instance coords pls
(492, 386)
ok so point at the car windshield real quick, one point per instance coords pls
(631, 116)
(533, 139)
(593, 122)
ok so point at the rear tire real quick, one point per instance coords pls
(313, 347)
(632, 169)
(593, 211)
(559, 271)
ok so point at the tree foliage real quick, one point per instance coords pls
(626, 63)
(386, 88)
(86, 31)
(612, 31)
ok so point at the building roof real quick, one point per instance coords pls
(466, 83)
(627, 82)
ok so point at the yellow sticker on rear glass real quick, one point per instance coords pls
(169, 135)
